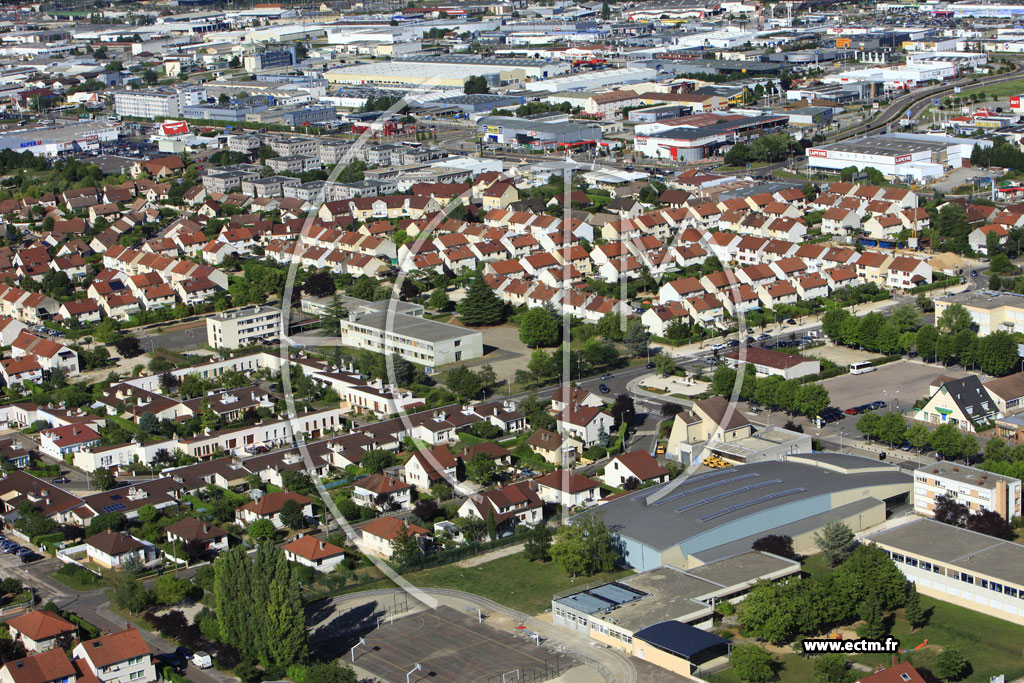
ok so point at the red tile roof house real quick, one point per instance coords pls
(118, 657)
(110, 549)
(378, 535)
(52, 666)
(639, 465)
(202, 536)
(312, 552)
(269, 507)
(39, 630)
(584, 424)
(562, 487)
(382, 493)
(510, 505)
(66, 440)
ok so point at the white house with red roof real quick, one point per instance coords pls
(565, 488)
(269, 505)
(39, 630)
(67, 440)
(906, 272)
(118, 657)
(312, 552)
(49, 354)
(508, 506)
(382, 493)
(378, 535)
(639, 465)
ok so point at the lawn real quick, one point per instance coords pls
(512, 581)
(1001, 90)
(992, 646)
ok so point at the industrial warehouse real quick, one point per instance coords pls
(52, 141)
(903, 155)
(711, 516)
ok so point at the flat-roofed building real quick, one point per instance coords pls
(963, 567)
(618, 613)
(243, 327)
(977, 489)
(990, 311)
(413, 337)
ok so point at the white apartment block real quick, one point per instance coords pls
(243, 327)
(977, 489)
(147, 104)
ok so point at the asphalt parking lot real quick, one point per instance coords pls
(452, 646)
(905, 381)
(840, 355)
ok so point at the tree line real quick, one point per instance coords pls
(789, 395)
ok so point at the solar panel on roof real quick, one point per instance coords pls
(646, 493)
(615, 593)
(727, 494)
(113, 507)
(712, 485)
(740, 506)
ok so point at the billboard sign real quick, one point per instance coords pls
(823, 153)
(174, 128)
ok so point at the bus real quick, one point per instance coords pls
(861, 368)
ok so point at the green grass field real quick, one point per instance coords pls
(512, 581)
(1001, 90)
(991, 645)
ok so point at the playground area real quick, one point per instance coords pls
(442, 644)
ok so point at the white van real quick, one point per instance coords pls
(202, 660)
(861, 368)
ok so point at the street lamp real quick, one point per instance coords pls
(415, 668)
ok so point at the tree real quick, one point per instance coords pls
(261, 530)
(918, 435)
(463, 382)
(664, 364)
(997, 353)
(832, 322)
(830, 668)
(148, 423)
(234, 63)
(775, 544)
(585, 547)
(127, 592)
(538, 327)
(480, 468)
(873, 627)
(291, 515)
(127, 345)
(405, 547)
(476, 85)
(427, 510)
(951, 665)
(328, 672)
(953, 228)
(606, 11)
(752, 663)
(609, 327)
(812, 399)
(376, 460)
(905, 317)
(103, 479)
(169, 590)
(538, 545)
(405, 371)
(259, 606)
(481, 307)
(320, 284)
(950, 511)
(891, 428)
(954, 319)
(915, 615)
(439, 300)
(723, 381)
(637, 339)
(835, 541)
(991, 523)
(926, 341)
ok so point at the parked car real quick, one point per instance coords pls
(607, 375)
(30, 557)
(604, 388)
(852, 411)
(60, 480)
(660, 450)
(763, 337)
(732, 343)
(790, 321)
(718, 347)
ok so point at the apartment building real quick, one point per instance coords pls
(292, 146)
(977, 489)
(243, 327)
(411, 336)
(990, 311)
(148, 104)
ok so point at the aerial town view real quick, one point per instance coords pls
(511, 341)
